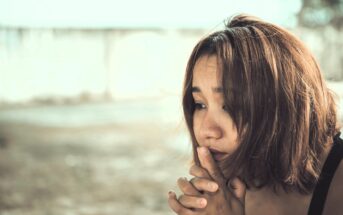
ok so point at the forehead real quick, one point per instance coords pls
(207, 70)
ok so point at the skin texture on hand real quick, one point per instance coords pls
(202, 196)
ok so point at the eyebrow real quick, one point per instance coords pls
(196, 89)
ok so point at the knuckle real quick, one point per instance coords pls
(199, 183)
(204, 173)
(181, 198)
(184, 201)
(192, 170)
(193, 179)
(188, 189)
(198, 171)
(181, 182)
(195, 171)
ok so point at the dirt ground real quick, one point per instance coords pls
(101, 159)
(114, 168)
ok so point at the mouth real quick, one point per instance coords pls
(217, 155)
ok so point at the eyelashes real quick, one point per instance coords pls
(202, 106)
(199, 106)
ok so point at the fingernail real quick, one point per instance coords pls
(170, 193)
(213, 186)
(204, 151)
(202, 202)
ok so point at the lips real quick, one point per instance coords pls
(217, 155)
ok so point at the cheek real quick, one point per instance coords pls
(231, 130)
(230, 135)
(196, 127)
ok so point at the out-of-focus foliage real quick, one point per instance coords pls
(317, 13)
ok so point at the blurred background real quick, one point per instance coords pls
(90, 109)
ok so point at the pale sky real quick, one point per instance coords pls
(140, 13)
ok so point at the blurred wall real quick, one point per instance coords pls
(327, 45)
(94, 64)
(121, 64)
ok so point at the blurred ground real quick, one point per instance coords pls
(117, 158)
(52, 163)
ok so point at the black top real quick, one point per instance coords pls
(328, 171)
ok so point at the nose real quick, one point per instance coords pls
(210, 129)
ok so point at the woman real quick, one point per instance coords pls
(263, 126)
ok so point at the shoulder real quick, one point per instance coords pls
(334, 199)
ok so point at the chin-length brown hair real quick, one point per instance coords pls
(274, 91)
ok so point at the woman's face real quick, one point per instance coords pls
(213, 127)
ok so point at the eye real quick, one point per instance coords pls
(199, 106)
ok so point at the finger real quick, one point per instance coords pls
(176, 206)
(187, 188)
(203, 184)
(197, 171)
(238, 187)
(210, 165)
(192, 202)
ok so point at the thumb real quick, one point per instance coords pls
(238, 187)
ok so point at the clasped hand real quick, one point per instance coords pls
(208, 192)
